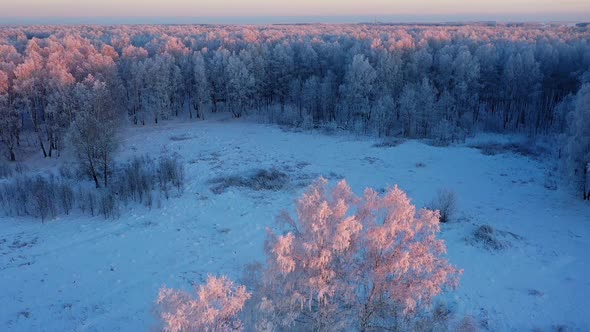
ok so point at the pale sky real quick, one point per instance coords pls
(307, 10)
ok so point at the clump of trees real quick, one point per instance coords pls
(94, 132)
(37, 196)
(345, 262)
(576, 145)
(141, 180)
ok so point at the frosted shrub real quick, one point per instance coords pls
(87, 201)
(66, 197)
(109, 205)
(215, 308)
(170, 174)
(352, 263)
(37, 196)
(446, 203)
(141, 177)
(136, 180)
(262, 179)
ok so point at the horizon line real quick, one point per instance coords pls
(295, 19)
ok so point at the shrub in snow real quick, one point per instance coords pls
(215, 308)
(66, 197)
(138, 179)
(37, 196)
(487, 237)
(352, 263)
(527, 149)
(109, 205)
(467, 324)
(170, 174)
(49, 196)
(271, 179)
(389, 143)
(446, 203)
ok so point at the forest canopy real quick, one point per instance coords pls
(442, 82)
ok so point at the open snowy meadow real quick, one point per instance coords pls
(527, 270)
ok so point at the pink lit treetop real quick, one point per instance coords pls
(215, 308)
(350, 261)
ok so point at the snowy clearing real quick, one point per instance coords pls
(87, 274)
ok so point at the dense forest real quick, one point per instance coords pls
(61, 84)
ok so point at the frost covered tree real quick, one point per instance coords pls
(29, 86)
(218, 77)
(214, 309)
(94, 132)
(352, 263)
(577, 144)
(201, 93)
(10, 124)
(281, 68)
(240, 87)
(418, 108)
(357, 90)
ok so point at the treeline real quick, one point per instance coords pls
(440, 82)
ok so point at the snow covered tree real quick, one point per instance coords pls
(215, 309)
(357, 90)
(94, 132)
(29, 85)
(353, 263)
(201, 93)
(311, 97)
(418, 109)
(240, 87)
(218, 77)
(577, 144)
(281, 67)
(10, 124)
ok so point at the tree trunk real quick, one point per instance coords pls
(585, 182)
(42, 145)
(105, 174)
(95, 178)
(93, 171)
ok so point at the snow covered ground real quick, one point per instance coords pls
(86, 274)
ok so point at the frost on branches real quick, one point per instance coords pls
(349, 262)
(346, 263)
(215, 308)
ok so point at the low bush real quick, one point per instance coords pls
(271, 179)
(170, 173)
(486, 236)
(526, 149)
(445, 202)
(138, 180)
(37, 196)
(389, 143)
